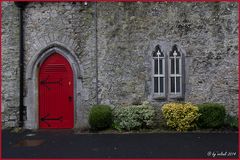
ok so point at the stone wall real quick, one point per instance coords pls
(10, 64)
(208, 32)
(73, 27)
(127, 34)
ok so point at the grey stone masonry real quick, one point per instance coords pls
(207, 32)
(10, 64)
(127, 33)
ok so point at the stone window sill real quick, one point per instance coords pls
(159, 97)
(175, 96)
(170, 97)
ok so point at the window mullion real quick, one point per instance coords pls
(175, 74)
(163, 64)
(180, 71)
(158, 76)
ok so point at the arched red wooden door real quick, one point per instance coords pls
(56, 103)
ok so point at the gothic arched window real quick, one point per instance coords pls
(158, 72)
(168, 76)
(175, 72)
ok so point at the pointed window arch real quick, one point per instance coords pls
(168, 73)
(159, 76)
(175, 72)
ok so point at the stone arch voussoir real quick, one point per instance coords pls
(31, 99)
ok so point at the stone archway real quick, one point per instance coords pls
(31, 82)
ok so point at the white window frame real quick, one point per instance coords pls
(158, 75)
(175, 94)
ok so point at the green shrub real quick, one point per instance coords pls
(231, 121)
(212, 115)
(180, 116)
(134, 117)
(100, 117)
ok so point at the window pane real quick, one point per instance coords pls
(161, 66)
(155, 84)
(172, 66)
(177, 66)
(155, 66)
(154, 54)
(161, 84)
(172, 84)
(178, 84)
(161, 55)
(178, 54)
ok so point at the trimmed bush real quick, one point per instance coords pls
(231, 121)
(212, 115)
(134, 117)
(180, 116)
(100, 117)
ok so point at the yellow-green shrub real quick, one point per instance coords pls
(180, 116)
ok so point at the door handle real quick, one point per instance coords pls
(70, 98)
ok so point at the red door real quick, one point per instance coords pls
(56, 103)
